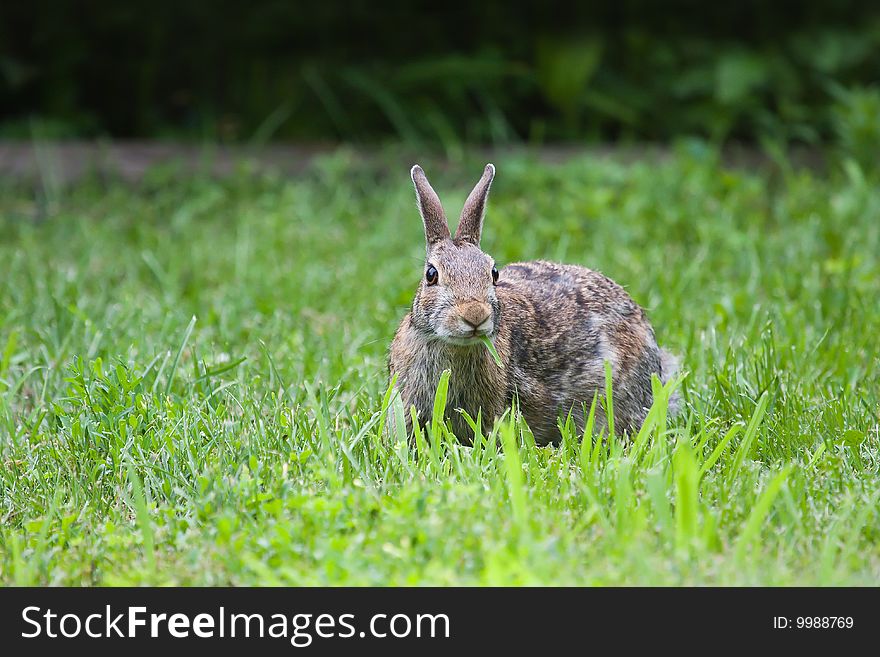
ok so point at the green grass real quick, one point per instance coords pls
(192, 382)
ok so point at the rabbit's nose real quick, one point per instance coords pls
(475, 313)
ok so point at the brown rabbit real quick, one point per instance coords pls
(552, 325)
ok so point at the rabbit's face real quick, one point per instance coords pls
(456, 300)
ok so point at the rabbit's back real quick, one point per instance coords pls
(561, 323)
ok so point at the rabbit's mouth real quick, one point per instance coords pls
(470, 341)
(467, 340)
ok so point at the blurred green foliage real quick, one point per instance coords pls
(857, 123)
(489, 73)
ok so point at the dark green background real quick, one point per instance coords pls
(488, 72)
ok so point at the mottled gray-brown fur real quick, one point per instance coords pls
(553, 325)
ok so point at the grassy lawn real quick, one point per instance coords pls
(192, 375)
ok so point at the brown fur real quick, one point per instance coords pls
(553, 326)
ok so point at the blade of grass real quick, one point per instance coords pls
(759, 512)
(187, 333)
(745, 447)
(720, 449)
(143, 518)
(514, 472)
(438, 417)
(686, 495)
(609, 402)
(491, 347)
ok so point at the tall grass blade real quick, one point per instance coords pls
(759, 512)
(745, 447)
(186, 334)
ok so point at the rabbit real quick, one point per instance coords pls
(552, 325)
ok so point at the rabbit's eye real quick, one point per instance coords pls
(431, 275)
(494, 276)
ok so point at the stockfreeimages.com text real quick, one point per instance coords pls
(300, 629)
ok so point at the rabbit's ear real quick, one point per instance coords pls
(432, 213)
(471, 224)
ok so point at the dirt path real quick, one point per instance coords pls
(56, 163)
